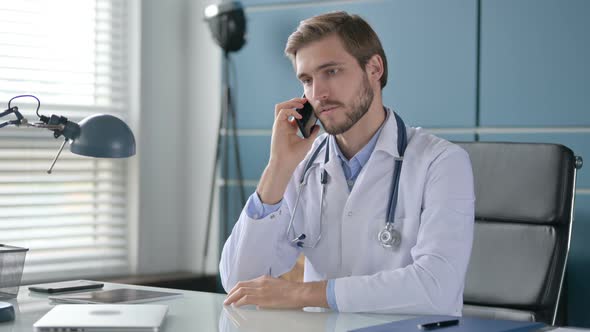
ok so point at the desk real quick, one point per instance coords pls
(199, 311)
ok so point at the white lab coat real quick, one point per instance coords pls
(435, 216)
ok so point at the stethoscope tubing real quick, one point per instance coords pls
(401, 149)
(298, 240)
(392, 205)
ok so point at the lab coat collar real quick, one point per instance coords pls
(333, 166)
(387, 140)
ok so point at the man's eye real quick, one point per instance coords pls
(306, 81)
(333, 71)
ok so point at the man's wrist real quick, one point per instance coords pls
(273, 183)
(281, 168)
(313, 294)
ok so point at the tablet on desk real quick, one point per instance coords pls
(115, 296)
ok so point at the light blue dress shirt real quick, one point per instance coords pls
(255, 209)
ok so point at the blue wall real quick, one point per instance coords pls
(515, 70)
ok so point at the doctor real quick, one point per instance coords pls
(383, 212)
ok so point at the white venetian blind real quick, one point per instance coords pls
(72, 55)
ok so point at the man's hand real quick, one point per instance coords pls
(286, 146)
(269, 292)
(287, 150)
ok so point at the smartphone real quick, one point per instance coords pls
(308, 119)
(65, 286)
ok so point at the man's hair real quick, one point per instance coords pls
(357, 36)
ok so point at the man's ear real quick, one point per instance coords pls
(374, 68)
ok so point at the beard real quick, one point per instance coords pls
(358, 108)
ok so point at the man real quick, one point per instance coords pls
(333, 207)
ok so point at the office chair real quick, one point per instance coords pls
(523, 221)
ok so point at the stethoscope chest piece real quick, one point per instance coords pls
(389, 237)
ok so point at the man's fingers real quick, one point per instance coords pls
(238, 294)
(247, 284)
(246, 300)
(265, 292)
(235, 295)
(241, 284)
(286, 113)
(235, 288)
(290, 104)
(244, 296)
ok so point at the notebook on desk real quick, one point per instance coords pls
(465, 324)
(102, 318)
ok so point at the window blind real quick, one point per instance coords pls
(72, 55)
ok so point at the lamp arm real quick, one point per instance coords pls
(58, 124)
(58, 127)
(4, 124)
(57, 156)
(23, 122)
(10, 111)
(20, 119)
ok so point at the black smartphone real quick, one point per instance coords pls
(65, 286)
(308, 119)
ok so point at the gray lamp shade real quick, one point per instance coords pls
(104, 136)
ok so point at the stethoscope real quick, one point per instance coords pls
(388, 237)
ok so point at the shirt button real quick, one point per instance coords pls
(272, 216)
(349, 213)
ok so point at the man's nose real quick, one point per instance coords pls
(320, 91)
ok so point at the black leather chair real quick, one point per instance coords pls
(523, 222)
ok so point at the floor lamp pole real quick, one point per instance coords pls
(224, 130)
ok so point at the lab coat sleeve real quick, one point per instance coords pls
(261, 246)
(434, 282)
(257, 247)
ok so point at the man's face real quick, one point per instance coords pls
(336, 86)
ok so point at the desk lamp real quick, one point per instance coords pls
(99, 135)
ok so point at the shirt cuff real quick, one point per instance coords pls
(255, 209)
(330, 295)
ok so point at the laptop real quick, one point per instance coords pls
(103, 318)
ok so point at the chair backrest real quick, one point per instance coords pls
(523, 218)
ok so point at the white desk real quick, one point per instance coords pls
(198, 311)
